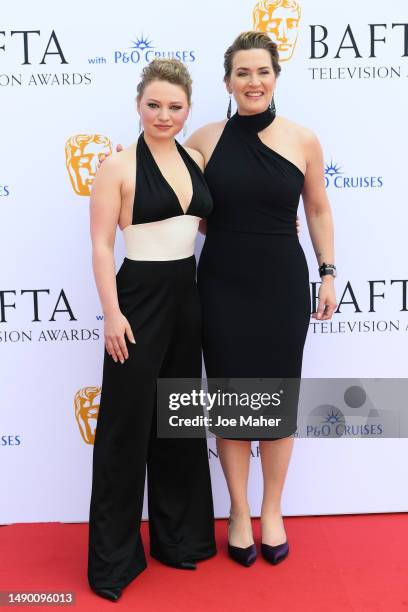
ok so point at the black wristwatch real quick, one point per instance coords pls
(327, 269)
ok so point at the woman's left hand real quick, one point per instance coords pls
(327, 300)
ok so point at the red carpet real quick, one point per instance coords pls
(354, 562)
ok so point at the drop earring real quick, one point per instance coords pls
(229, 110)
(272, 106)
(140, 125)
(185, 129)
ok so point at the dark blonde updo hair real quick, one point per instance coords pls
(170, 70)
(251, 40)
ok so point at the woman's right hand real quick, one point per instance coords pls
(116, 328)
(102, 158)
(202, 227)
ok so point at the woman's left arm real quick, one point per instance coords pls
(319, 221)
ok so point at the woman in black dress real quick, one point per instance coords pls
(253, 277)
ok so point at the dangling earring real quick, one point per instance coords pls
(272, 106)
(185, 129)
(140, 125)
(229, 110)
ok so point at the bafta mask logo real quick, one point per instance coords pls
(86, 412)
(280, 19)
(82, 154)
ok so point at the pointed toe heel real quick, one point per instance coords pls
(187, 565)
(275, 554)
(243, 556)
(112, 594)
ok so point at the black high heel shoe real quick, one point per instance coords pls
(112, 594)
(243, 556)
(275, 554)
(186, 565)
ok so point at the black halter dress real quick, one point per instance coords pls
(252, 275)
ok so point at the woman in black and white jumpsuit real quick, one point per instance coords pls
(157, 293)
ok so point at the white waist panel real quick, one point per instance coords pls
(169, 239)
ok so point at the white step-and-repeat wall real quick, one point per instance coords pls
(68, 76)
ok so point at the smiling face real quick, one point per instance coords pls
(252, 81)
(163, 109)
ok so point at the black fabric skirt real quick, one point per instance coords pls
(254, 291)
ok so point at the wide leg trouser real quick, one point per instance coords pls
(160, 301)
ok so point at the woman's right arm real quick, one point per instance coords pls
(195, 141)
(104, 213)
(204, 140)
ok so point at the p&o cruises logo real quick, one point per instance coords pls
(334, 176)
(142, 50)
(10, 439)
(357, 418)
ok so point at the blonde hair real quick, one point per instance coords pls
(170, 70)
(251, 40)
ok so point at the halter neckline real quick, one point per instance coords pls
(254, 123)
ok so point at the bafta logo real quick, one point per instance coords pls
(86, 412)
(280, 19)
(82, 154)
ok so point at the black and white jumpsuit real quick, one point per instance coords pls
(158, 295)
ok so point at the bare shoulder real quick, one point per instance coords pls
(205, 135)
(113, 163)
(127, 154)
(303, 134)
(115, 167)
(205, 138)
(211, 128)
(120, 161)
(295, 129)
(196, 155)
